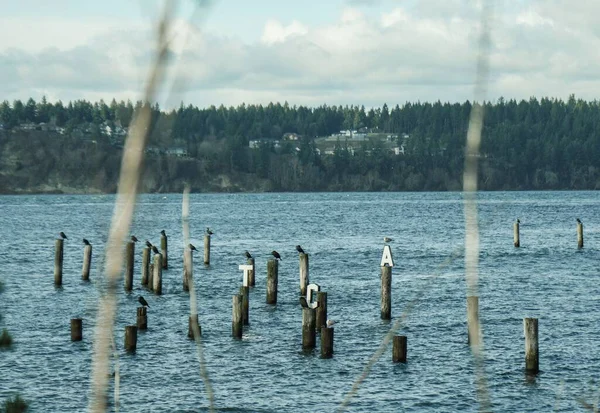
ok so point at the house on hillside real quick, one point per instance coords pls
(291, 137)
(399, 150)
(179, 152)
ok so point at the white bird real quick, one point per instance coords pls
(330, 323)
(387, 239)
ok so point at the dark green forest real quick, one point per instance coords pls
(526, 145)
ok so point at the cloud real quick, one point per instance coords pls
(544, 48)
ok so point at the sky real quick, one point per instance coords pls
(310, 52)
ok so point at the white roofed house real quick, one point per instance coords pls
(179, 152)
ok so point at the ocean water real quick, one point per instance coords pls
(547, 278)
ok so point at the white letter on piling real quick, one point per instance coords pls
(310, 289)
(246, 268)
(386, 259)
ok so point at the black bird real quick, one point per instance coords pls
(276, 255)
(518, 221)
(192, 247)
(143, 301)
(299, 249)
(148, 244)
(578, 221)
(247, 254)
(62, 235)
(155, 250)
(134, 238)
(303, 302)
(86, 242)
(163, 233)
(208, 231)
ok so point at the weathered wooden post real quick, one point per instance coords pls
(150, 284)
(251, 278)
(516, 235)
(142, 318)
(130, 338)
(579, 234)
(237, 319)
(309, 320)
(272, 280)
(129, 254)
(193, 322)
(157, 276)
(188, 268)
(326, 342)
(206, 249)
(530, 325)
(387, 263)
(58, 262)
(399, 349)
(163, 250)
(472, 319)
(303, 272)
(145, 265)
(321, 309)
(76, 329)
(87, 262)
(245, 293)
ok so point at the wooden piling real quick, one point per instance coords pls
(272, 280)
(193, 321)
(321, 309)
(129, 254)
(516, 235)
(399, 349)
(530, 326)
(309, 321)
(130, 338)
(251, 278)
(87, 262)
(386, 292)
(142, 318)
(58, 262)
(150, 284)
(157, 276)
(245, 293)
(237, 318)
(76, 329)
(326, 342)
(579, 235)
(303, 273)
(473, 320)
(164, 252)
(207, 249)
(145, 265)
(188, 268)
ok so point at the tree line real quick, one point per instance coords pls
(529, 144)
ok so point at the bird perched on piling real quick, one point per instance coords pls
(208, 231)
(248, 255)
(192, 247)
(134, 238)
(142, 301)
(518, 221)
(276, 255)
(299, 249)
(148, 244)
(63, 236)
(86, 242)
(387, 239)
(303, 302)
(155, 250)
(163, 233)
(330, 323)
(578, 221)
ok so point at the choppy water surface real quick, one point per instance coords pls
(547, 278)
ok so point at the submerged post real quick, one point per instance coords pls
(129, 254)
(251, 278)
(142, 318)
(326, 342)
(579, 234)
(157, 276)
(207, 249)
(87, 262)
(530, 326)
(76, 329)
(308, 328)
(516, 235)
(145, 265)
(237, 320)
(58, 262)
(130, 338)
(192, 323)
(321, 309)
(473, 320)
(272, 280)
(150, 284)
(386, 293)
(245, 293)
(399, 349)
(188, 268)
(163, 250)
(303, 272)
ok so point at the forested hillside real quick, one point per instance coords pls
(76, 147)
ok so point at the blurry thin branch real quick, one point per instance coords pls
(185, 220)
(122, 216)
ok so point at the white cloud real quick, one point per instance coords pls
(275, 32)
